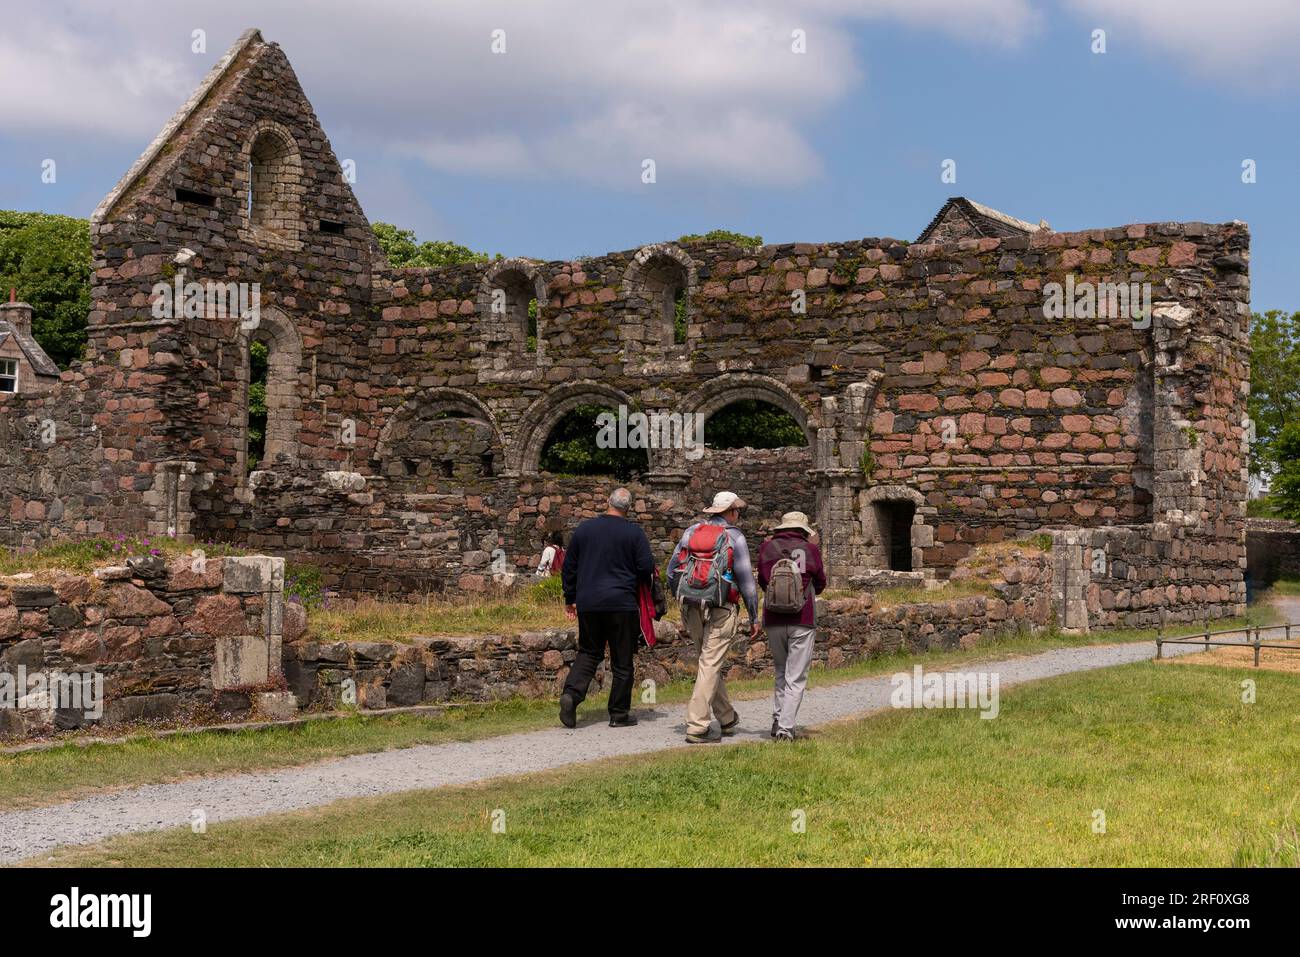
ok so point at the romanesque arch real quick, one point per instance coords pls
(504, 294)
(272, 185)
(283, 386)
(436, 401)
(541, 417)
(657, 275)
(445, 433)
(723, 390)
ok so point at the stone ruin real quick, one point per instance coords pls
(408, 408)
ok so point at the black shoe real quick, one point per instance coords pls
(783, 735)
(776, 726)
(623, 721)
(729, 729)
(700, 739)
(568, 711)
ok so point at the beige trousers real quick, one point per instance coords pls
(713, 630)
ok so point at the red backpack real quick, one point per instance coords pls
(557, 561)
(707, 564)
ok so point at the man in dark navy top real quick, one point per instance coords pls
(608, 555)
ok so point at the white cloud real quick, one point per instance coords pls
(1247, 42)
(587, 89)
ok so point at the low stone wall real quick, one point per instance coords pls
(1272, 551)
(377, 675)
(165, 641)
(1139, 576)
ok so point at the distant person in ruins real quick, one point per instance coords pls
(791, 574)
(552, 556)
(608, 557)
(711, 575)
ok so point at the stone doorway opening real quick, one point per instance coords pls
(894, 520)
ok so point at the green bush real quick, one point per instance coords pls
(546, 590)
(305, 584)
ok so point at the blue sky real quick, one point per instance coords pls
(538, 151)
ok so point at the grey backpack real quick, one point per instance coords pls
(785, 590)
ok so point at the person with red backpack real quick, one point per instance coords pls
(711, 575)
(552, 556)
(791, 573)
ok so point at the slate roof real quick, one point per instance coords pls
(985, 220)
(41, 363)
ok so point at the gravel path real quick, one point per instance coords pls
(229, 797)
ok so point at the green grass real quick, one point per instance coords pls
(1185, 773)
(1290, 587)
(920, 595)
(1263, 507)
(63, 773)
(87, 554)
(371, 620)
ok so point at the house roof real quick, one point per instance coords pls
(985, 220)
(41, 363)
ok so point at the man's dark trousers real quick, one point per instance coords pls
(618, 629)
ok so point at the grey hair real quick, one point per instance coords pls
(620, 499)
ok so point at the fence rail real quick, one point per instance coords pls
(1207, 639)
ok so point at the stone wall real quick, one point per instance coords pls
(534, 664)
(178, 641)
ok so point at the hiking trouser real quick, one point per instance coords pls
(713, 630)
(792, 651)
(596, 629)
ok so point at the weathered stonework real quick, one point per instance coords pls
(408, 415)
(534, 664)
(169, 639)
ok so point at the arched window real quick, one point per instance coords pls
(512, 301)
(753, 424)
(664, 286)
(274, 172)
(659, 281)
(444, 434)
(575, 446)
(270, 366)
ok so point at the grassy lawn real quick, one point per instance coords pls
(1185, 773)
(371, 620)
(70, 771)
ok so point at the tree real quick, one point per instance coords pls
(1274, 383)
(403, 249)
(1285, 491)
(46, 258)
(257, 370)
(751, 423)
(572, 449)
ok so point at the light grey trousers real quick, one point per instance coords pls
(792, 651)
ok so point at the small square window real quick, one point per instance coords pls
(8, 375)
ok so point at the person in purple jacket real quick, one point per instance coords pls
(790, 635)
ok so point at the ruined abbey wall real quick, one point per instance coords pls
(409, 407)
